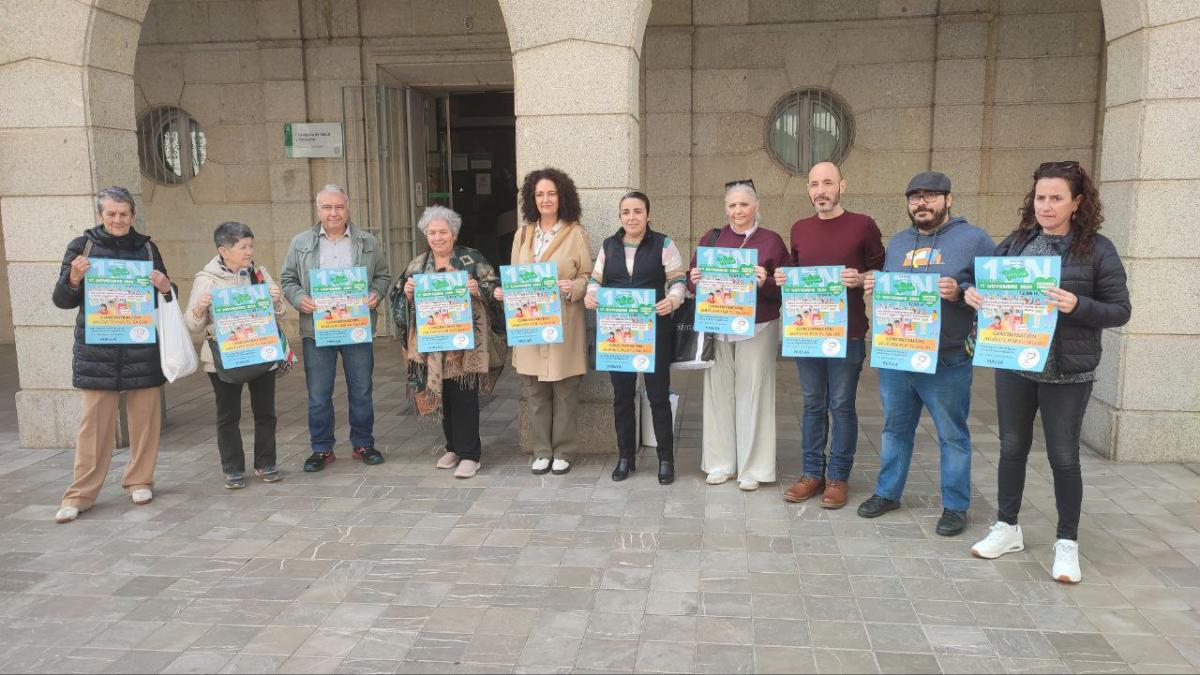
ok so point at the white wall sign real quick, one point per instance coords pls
(313, 139)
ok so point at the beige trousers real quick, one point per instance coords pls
(552, 407)
(98, 436)
(739, 407)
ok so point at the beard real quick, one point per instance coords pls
(832, 204)
(938, 217)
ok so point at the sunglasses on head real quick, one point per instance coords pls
(744, 181)
(1064, 166)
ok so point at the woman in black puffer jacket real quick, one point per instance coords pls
(102, 371)
(1060, 217)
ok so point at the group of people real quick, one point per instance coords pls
(1061, 217)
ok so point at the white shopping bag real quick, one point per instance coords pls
(175, 350)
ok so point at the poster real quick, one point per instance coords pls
(118, 302)
(532, 307)
(244, 325)
(483, 184)
(1016, 321)
(906, 322)
(625, 323)
(342, 316)
(443, 312)
(727, 292)
(815, 320)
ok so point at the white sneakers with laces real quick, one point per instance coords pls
(1066, 562)
(1002, 538)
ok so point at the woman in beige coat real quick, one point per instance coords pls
(551, 374)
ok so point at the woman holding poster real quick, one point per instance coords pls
(739, 389)
(234, 266)
(1060, 217)
(638, 257)
(447, 383)
(551, 373)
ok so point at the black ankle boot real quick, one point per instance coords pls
(624, 466)
(666, 473)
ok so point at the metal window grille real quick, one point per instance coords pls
(171, 145)
(809, 126)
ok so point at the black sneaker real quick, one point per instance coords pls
(368, 456)
(318, 460)
(876, 506)
(235, 481)
(951, 523)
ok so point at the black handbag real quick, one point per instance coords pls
(241, 374)
(693, 350)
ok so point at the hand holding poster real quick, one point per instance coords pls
(118, 303)
(443, 312)
(906, 324)
(532, 308)
(1016, 321)
(727, 293)
(815, 321)
(342, 316)
(625, 324)
(244, 325)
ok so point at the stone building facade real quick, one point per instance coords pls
(669, 96)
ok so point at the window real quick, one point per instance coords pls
(806, 127)
(171, 146)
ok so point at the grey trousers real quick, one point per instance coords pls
(552, 407)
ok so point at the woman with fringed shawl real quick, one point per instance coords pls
(448, 383)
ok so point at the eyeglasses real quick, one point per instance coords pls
(744, 181)
(924, 197)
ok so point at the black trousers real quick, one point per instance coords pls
(1062, 406)
(229, 418)
(658, 390)
(460, 420)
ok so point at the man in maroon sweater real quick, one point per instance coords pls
(834, 236)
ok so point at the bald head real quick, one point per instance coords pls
(825, 187)
(823, 170)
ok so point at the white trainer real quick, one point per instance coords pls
(467, 468)
(1002, 538)
(748, 485)
(141, 496)
(540, 465)
(66, 514)
(448, 461)
(1066, 562)
(560, 466)
(716, 477)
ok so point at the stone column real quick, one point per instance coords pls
(1146, 404)
(66, 129)
(576, 74)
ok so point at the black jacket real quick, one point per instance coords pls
(110, 367)
(1098, 280)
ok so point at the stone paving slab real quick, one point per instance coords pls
(400, 568)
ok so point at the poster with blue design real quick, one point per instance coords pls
(244, 325)
(906, 322)
(815, 321)
(1016, 321)
(342, 316)
(118, 302)
(625, 324)
(532, 307)
(727, 293)
(443, 312)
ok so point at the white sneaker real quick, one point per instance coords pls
(467, 468)
(66, 514)
(1003, 538)
(448, 461)
(748, 485)
(1066, 561)
(141, 496)
(560, 466)
(540, 465)
(716, 477)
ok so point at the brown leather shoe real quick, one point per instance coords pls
(804, 488)
(835, 494)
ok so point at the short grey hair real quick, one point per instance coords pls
(435, 212)
(115, 193)
(332, 187)
(746, 187)
(230, 233)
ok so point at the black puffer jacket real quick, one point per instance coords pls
(111, 367)
(1098, 281)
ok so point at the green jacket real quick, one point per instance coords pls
(303, 256)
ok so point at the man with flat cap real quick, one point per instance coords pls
(946, 245)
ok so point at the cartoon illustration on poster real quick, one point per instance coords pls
(342, 316)
(906, 322)
(815, 321)
(118, 302)
(532, 308)
(244, 325)
(625, 324)
(443, 312)
(1016, 321)
(727, 293)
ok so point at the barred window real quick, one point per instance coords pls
(171, 145)
(806, 127)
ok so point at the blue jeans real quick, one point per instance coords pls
(829, 387)
(947, 396)
(320, 370)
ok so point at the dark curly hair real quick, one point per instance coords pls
(1086, 220)
(568, 197)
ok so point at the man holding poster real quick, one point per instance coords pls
(945, 246)
(828, 378)
(335, 244)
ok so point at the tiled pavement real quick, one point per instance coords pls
(399, 568)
